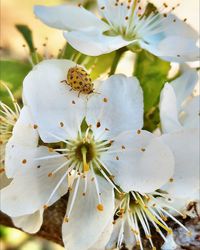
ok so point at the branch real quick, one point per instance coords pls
(53, 218)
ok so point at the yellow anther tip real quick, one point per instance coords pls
(66, 219)
(100, 207)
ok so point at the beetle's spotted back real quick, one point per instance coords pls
(79, 80)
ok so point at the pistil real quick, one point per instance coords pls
(84, 155)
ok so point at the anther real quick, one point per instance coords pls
(24, 161)
(66, 219)
(98, 125)
(105, 99)
(35, 126)
(61, 124)
(100, 207)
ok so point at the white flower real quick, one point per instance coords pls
(10, 127)
(9, 122)
(143, 208)
(124, 23)
(137, 212)
(179, 114)
(179, 109)
(93, 139)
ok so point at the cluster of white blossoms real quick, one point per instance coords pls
(122, 180)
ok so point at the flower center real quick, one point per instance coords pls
(82, 161)
(85, 152)
(132, 21)
(141, 210)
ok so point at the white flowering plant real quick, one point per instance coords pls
(122, 150)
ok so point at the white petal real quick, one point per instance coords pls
(184, 85)
(94, 42)
(175, 49)
(24, 131)
(55, 109)
(185, 147)
(179, 27)
(136, 158)
(170, 243)
(190, 115)
(129, 237)
(24, 134)
(103, 239)
(30, 223)
(168, 110)
(115, 234)
(181, 204)
(86, 223)
(69, 17)
(176, 41)
(115, 15)
(118, 106)
(32, 186)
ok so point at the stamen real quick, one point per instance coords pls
(73, 197)
(100, 205)
(56, 187)
(50, 157)
(106, 177)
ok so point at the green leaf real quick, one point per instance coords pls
(27, 34)
(152, 73)
(100, 64)
(68, 52)
(13, 74)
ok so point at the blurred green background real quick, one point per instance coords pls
(12, 239)
(20, 12)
